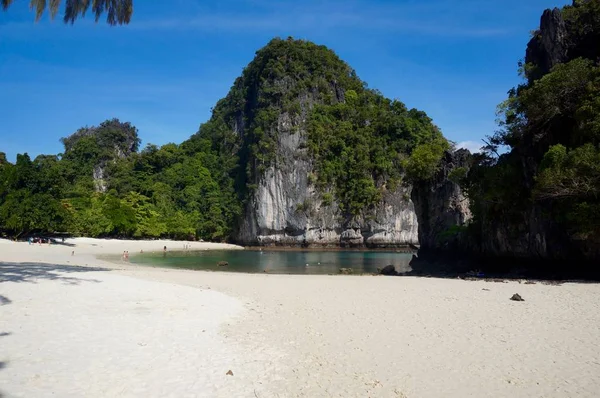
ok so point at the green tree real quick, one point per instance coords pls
(425, 160)
(30, 196)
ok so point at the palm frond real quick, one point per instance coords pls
(6, 4)
(118, 12)
(39, 6)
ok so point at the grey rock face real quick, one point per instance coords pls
(441, 205)
(287, 209)
(559, 41)
(549, 46)
(99, 179)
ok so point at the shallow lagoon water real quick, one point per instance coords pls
(277, 261)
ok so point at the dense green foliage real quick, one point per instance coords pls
(551, 125)
(29, 195)
(361, 144)
(158, 192)
(367, 139)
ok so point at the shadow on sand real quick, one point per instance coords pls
(4, 300)
(30, 272)
(33, 272)
(2, 366)
(61, 243)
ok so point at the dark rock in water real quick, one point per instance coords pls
(346, 271)
(388, 270)
(222, 263)
(517, 297)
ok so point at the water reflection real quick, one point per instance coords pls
(279, 262)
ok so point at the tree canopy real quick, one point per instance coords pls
(103, 186)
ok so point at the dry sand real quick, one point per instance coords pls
(131, 331)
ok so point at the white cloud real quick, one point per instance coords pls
(472, 146)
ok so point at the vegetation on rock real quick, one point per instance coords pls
(359, 141)
(551, 124)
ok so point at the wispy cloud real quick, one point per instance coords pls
(436, 18)
(433, 18)
(472, 146)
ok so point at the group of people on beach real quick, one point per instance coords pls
(37, 240)
(125, 256)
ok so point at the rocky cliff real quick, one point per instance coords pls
(317, 156)
(539, 199)
(442, 207)
(564, 34)
(287, 209)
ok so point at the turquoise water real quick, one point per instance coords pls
(277, 261)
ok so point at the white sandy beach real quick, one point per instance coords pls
(76, 326)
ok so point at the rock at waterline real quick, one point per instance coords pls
(222, 263)
(388, 270)
(517, 297)
(346, 271)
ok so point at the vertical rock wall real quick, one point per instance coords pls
(286, 209)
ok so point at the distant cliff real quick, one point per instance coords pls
(92, 149)
(318, 159)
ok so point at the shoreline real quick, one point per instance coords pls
(406, 250)
(85, 251)
(90, 251)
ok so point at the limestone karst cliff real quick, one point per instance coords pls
(318, 157)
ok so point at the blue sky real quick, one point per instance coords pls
(454, 59)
